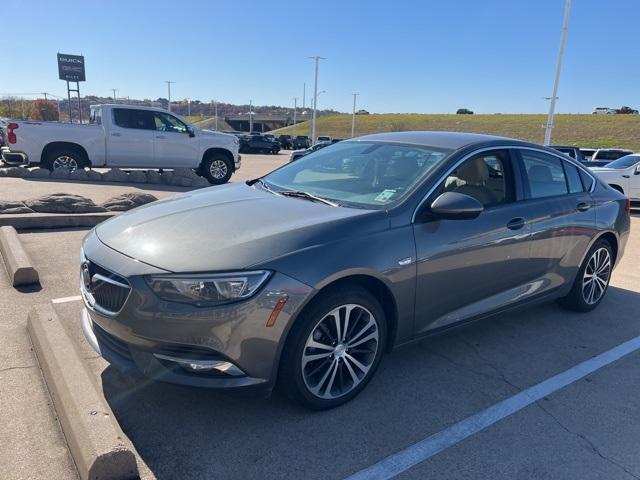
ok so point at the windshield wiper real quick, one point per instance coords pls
(264, 185)
(309, 196)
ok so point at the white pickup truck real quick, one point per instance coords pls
(622, 174)
(122, 136)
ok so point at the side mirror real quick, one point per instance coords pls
(191, 132)
(456, 206)
(637, 170)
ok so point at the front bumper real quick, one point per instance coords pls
(160, 339)
(13, 158)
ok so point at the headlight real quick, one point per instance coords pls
(207, 289)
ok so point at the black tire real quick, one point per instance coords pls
(216, 168)
(275, 150)
(576, 300)
(292, 377)
(74, 158)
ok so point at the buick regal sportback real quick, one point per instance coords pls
(303, 278)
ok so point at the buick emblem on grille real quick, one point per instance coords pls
(86, 276)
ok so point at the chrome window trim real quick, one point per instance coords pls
(559, 155)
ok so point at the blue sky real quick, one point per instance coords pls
(401, 56)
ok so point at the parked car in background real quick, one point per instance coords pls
(270, 136)
(362, 112)
(286, 141)
(323, 139)
(296, 154)
(610, 154)
(604, 111)
(336, 140)
(301, 141)
(595, 163)
(426, 231)
(464, 111)
(123, 136)
(573, 152)
(258, 144)
(587, 153)
(623, 174)
(626, 111)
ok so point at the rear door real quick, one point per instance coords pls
(561, 215)
(131, 138)
(174, 146)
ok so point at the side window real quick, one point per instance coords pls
(545, 175)
(136, 119)
(168, 123)
(573, 178)
(587, 181)
(485, 177)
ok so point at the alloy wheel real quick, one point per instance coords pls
(596, 276)
(65, 162)
(218, 169)
(340, 351)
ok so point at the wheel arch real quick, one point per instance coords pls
(52, 146)
(221, 151)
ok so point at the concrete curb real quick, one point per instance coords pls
(95, 439)
(29, 221)
(16, 260)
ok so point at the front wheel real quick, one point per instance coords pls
(217, 169)
(334, 349)
(592, 280)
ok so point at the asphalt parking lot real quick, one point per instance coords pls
(588, 429)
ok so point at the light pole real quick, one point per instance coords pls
(250, 118)
(304, 95)
(169, 82)
(353, 117)
(554, 95)
(295, 109)
(115, 97)
(317, 59)
(188, 107)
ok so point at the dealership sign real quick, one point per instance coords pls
(71, 67)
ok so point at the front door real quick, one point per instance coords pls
(131, 138)
(174, 145)
(468, 267)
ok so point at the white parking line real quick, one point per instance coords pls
(66, 299)
(423, 450)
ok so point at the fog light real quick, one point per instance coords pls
(202, 366)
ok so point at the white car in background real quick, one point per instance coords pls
(604, 111)
(623, 175)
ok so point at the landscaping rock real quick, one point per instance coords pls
(200, 182)
(94, 176)
(78, 174)
(153, 177)
(60, 174)
(115, 175)
(17, 172)
(184, 173)
(166, 177)
(63, 203)
(127, 201)
(13, 206)
(40, 173)
(137, 176)
(181, 181)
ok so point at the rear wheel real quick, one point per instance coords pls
(65, 159)
(592, 280)
(334, 349)
(216, 168)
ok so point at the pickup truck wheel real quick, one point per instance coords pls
(64, 159)
(217, 169)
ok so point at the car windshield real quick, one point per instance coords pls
(624, 162)
(359, 174)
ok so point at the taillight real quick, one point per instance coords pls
(11, 136)
(627, 205)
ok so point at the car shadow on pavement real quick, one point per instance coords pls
(420, 389)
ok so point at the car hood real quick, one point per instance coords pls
(230, 227)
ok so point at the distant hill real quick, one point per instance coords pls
(210, 124)
(583, 130)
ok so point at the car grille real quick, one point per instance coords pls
(111, 342)
(108, 290)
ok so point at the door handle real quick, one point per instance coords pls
(516, 223)
(625, 176)
(583, 207)
(116, 134)
(160, 136)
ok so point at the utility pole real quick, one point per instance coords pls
(250, 118)
(353, 117)
(304, 94)
(45, 95)
(215, 105)
(317, 59)
(188, 107)
(556, 82)
(295, 109)
(115, 97)
(169, 82)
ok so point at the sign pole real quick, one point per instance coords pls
(79, 103)
(69, 100)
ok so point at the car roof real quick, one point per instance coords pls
(123, 105)
(445, 140)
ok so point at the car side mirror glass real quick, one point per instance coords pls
(455, 206)
(191, 132)
(637, 170)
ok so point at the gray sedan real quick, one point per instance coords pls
(304, 277)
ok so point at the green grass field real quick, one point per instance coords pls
(582, 130)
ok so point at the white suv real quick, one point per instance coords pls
(604, 111)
